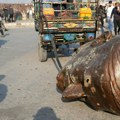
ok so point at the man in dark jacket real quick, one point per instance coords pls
(116, 14)
(101, 16)
(11, 14)
(6, 14)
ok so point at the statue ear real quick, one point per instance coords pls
(73, 92)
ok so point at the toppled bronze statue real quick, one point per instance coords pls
(94, 74)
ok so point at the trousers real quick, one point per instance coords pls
(110, 24)
(116, 26)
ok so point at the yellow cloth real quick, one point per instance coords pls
(85, 12)
(48, 11)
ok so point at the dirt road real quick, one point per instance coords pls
(28, 87)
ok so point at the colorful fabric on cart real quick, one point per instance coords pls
(69, 37)
(85, 13)
(90, 36)
(48, 37)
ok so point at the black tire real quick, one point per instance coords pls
(36, 28)
(42, 53)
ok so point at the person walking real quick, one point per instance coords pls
(101, 16)
(5, 14)
(11, 14)
(2, 26)
(30, 14)
(109, 19)
(119, 11)
(116, 14)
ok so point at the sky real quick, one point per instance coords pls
(15, 1)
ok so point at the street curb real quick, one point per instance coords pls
(19, 24)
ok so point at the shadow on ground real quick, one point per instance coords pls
(2, 42)
(46, 113)
(2, 77)
(3, 89)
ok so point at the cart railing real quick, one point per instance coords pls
(59, 23)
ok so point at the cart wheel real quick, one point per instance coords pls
(42, 53)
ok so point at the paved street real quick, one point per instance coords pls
(28, 87)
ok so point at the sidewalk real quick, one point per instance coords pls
(20, 23)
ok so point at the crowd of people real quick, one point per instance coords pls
(110, 13)
(8, 14)
(12, 14)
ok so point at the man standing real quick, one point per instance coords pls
(101, 16)
(116, 13)
(11, 14)
(109, 19)
(30, 13)
(6, 14)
